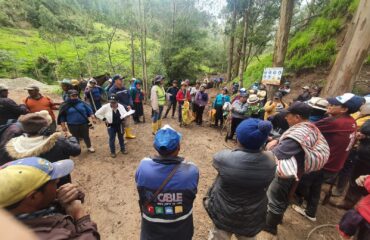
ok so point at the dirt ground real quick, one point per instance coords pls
(111, 195)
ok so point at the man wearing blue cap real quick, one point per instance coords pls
(167, 186)
(29, 192)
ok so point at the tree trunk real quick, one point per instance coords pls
(351, 56)
(282, 35)
(235, 71)
(231, 46)
(142, 47)
(132, 53)
(244, 46)
(109, 43)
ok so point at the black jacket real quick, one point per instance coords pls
(237, 201)
(10, 110)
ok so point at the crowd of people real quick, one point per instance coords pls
(283, 155)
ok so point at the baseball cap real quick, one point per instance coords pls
(243, 90)
(112, 98)
(32, 87)
(348, 100)
(300, 108)
(166, 140)
(318, 103)
(3, 87)
(158, 78)
(20, 177)
(117, 77)
(72, 92)
(306, 87)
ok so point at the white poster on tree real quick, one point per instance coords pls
(272, 76)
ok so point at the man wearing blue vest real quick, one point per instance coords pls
(167, 186)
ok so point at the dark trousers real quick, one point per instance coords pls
(219, 116)
(81, 132)
(345, 173)
(355, 192)
(309, 188)
(278, 202)
(199, 114)
(173, 106)
(180, 112)
(234, 124)
(53, 126)
(139, 111)
(112, 132)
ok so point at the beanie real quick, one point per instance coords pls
(253, 133)
(32, 123)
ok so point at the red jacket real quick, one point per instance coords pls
(340, 133)
(363, 207)
(180, 96)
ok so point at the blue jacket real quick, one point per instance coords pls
(122, 94)
(96, 93)
(75, 113)
(173, 91)
(220, 100)
(169, 215)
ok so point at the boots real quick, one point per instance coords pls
(154, 128)
(129, 134)
(159, 124)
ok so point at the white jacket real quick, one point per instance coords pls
(106, 112)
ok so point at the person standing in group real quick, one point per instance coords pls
(172, 92)
(78, 116)
(193, 91)
(274, 104)
(9, 110)
(167, 186)
(238, 113)
(158, 100)
(339, 130)
(93, 94)
(51, 212)
(124, 98)
(255, 110)
(38, 141)
(113, 114)
(237, 201)
(219, 102)
(36, 102)
(137, 99)
(301, 149)
(201, 100)
(305, 95)
(182, 95)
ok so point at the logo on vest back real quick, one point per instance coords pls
(169, 198)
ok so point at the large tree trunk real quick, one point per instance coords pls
(282, 35)
(351, 56)
(132, 53)
(235, 71)
(244, 46)
(231, 46)
(142, 46)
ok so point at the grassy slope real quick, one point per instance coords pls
(25, 46)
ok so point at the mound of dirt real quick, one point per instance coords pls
(21, 83)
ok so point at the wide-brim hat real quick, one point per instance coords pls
(253, 98)
(318, 103)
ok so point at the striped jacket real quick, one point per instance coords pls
(313, 144)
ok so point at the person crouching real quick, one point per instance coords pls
(113, 114)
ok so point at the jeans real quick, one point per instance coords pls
(112, 132)
(173, 106)
(157, 115)
(218, 234)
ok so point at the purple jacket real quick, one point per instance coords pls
(201, 99)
